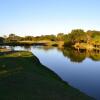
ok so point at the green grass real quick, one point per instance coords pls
(23, 77)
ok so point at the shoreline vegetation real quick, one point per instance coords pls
(23, 77)
(78, 39)
(34, 43)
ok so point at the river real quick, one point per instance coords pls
(79, 69)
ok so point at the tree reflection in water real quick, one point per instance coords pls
(80, 55)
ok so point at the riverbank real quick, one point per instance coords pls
(23, 77)
(86, 46)
(4, 49)
(34, 43)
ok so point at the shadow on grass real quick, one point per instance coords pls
(23, 77)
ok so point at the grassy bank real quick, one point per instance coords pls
(30, 43)
(23, 77)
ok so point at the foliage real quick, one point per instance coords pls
(1, 40)
(13, 38)
(60, 37)
(74, 37)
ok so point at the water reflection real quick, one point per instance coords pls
(75, 55)
(80, 55)
(83, 74)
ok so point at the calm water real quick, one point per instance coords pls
(80, 69)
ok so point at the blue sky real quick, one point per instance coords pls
(36, 17)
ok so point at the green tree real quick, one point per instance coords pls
(76, 36)
(1, 40)
(28, 38)
(13, 38)
(60, 36)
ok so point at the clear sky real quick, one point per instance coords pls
(36, 17)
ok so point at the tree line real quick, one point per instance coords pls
(14, 38)
(76, 36)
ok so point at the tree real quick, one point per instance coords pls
(93, 37)
(13, 38)
(28, 38)
(60, 36)
(1, 40)
(12, 35)
(77, 36)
